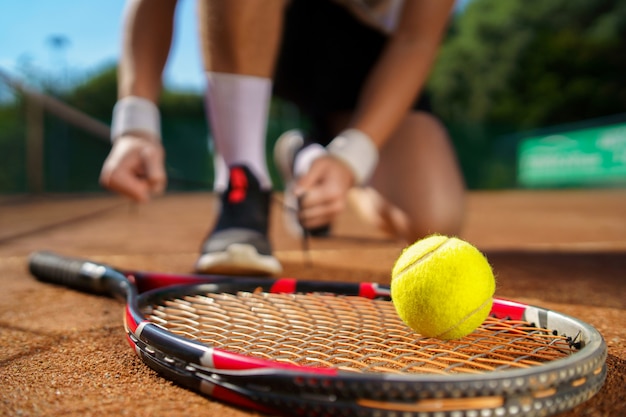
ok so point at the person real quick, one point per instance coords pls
(357, 69)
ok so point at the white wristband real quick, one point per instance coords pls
(358, 151)
(135, 114)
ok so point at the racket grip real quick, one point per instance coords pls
(73, 273)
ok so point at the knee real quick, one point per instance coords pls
(444, 218)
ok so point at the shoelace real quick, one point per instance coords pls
(306, 236)
(308, 260)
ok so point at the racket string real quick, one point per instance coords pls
(350, 333)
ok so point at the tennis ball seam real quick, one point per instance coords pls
(443, 334)
(425, 256)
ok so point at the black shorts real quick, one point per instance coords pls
(326, 55)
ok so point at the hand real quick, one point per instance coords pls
(135, 168)
(323, 191)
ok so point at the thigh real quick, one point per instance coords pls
(325, 57)
(418, 174)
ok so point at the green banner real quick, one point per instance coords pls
(585, 157)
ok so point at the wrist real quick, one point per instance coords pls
(135, 115)
(357, 150)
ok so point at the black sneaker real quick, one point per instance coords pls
(238, 245)
(287, 147)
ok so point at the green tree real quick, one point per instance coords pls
(96, 95)
(533, 63)
(510, 66)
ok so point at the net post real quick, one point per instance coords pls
(34, 145)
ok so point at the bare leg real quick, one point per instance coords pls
(417, 188)
(241, 36)
(240, 40)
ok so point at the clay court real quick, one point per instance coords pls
(63, 353)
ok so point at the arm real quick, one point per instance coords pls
(389, 91)
(134, 167)
(148, 28)
(403, 68)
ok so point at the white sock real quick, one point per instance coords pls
(220, 183)
(238, 107)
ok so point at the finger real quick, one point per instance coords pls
(321, 214)
(310, 179)
(123, 174)
(155, 170)
(316, 221)
(321, 188)
(129, 184)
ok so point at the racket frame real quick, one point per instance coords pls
(260, 384)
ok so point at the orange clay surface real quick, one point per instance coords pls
(63, 353)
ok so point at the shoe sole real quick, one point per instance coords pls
(238, 259)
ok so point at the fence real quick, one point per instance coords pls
(48, 146)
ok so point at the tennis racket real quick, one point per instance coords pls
(311, 348)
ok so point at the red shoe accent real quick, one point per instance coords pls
(238, 185)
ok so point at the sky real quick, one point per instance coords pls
(93, 31)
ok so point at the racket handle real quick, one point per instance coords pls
(73, 273)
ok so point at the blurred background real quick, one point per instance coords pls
(532, 92)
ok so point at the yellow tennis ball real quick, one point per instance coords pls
(442, 287)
